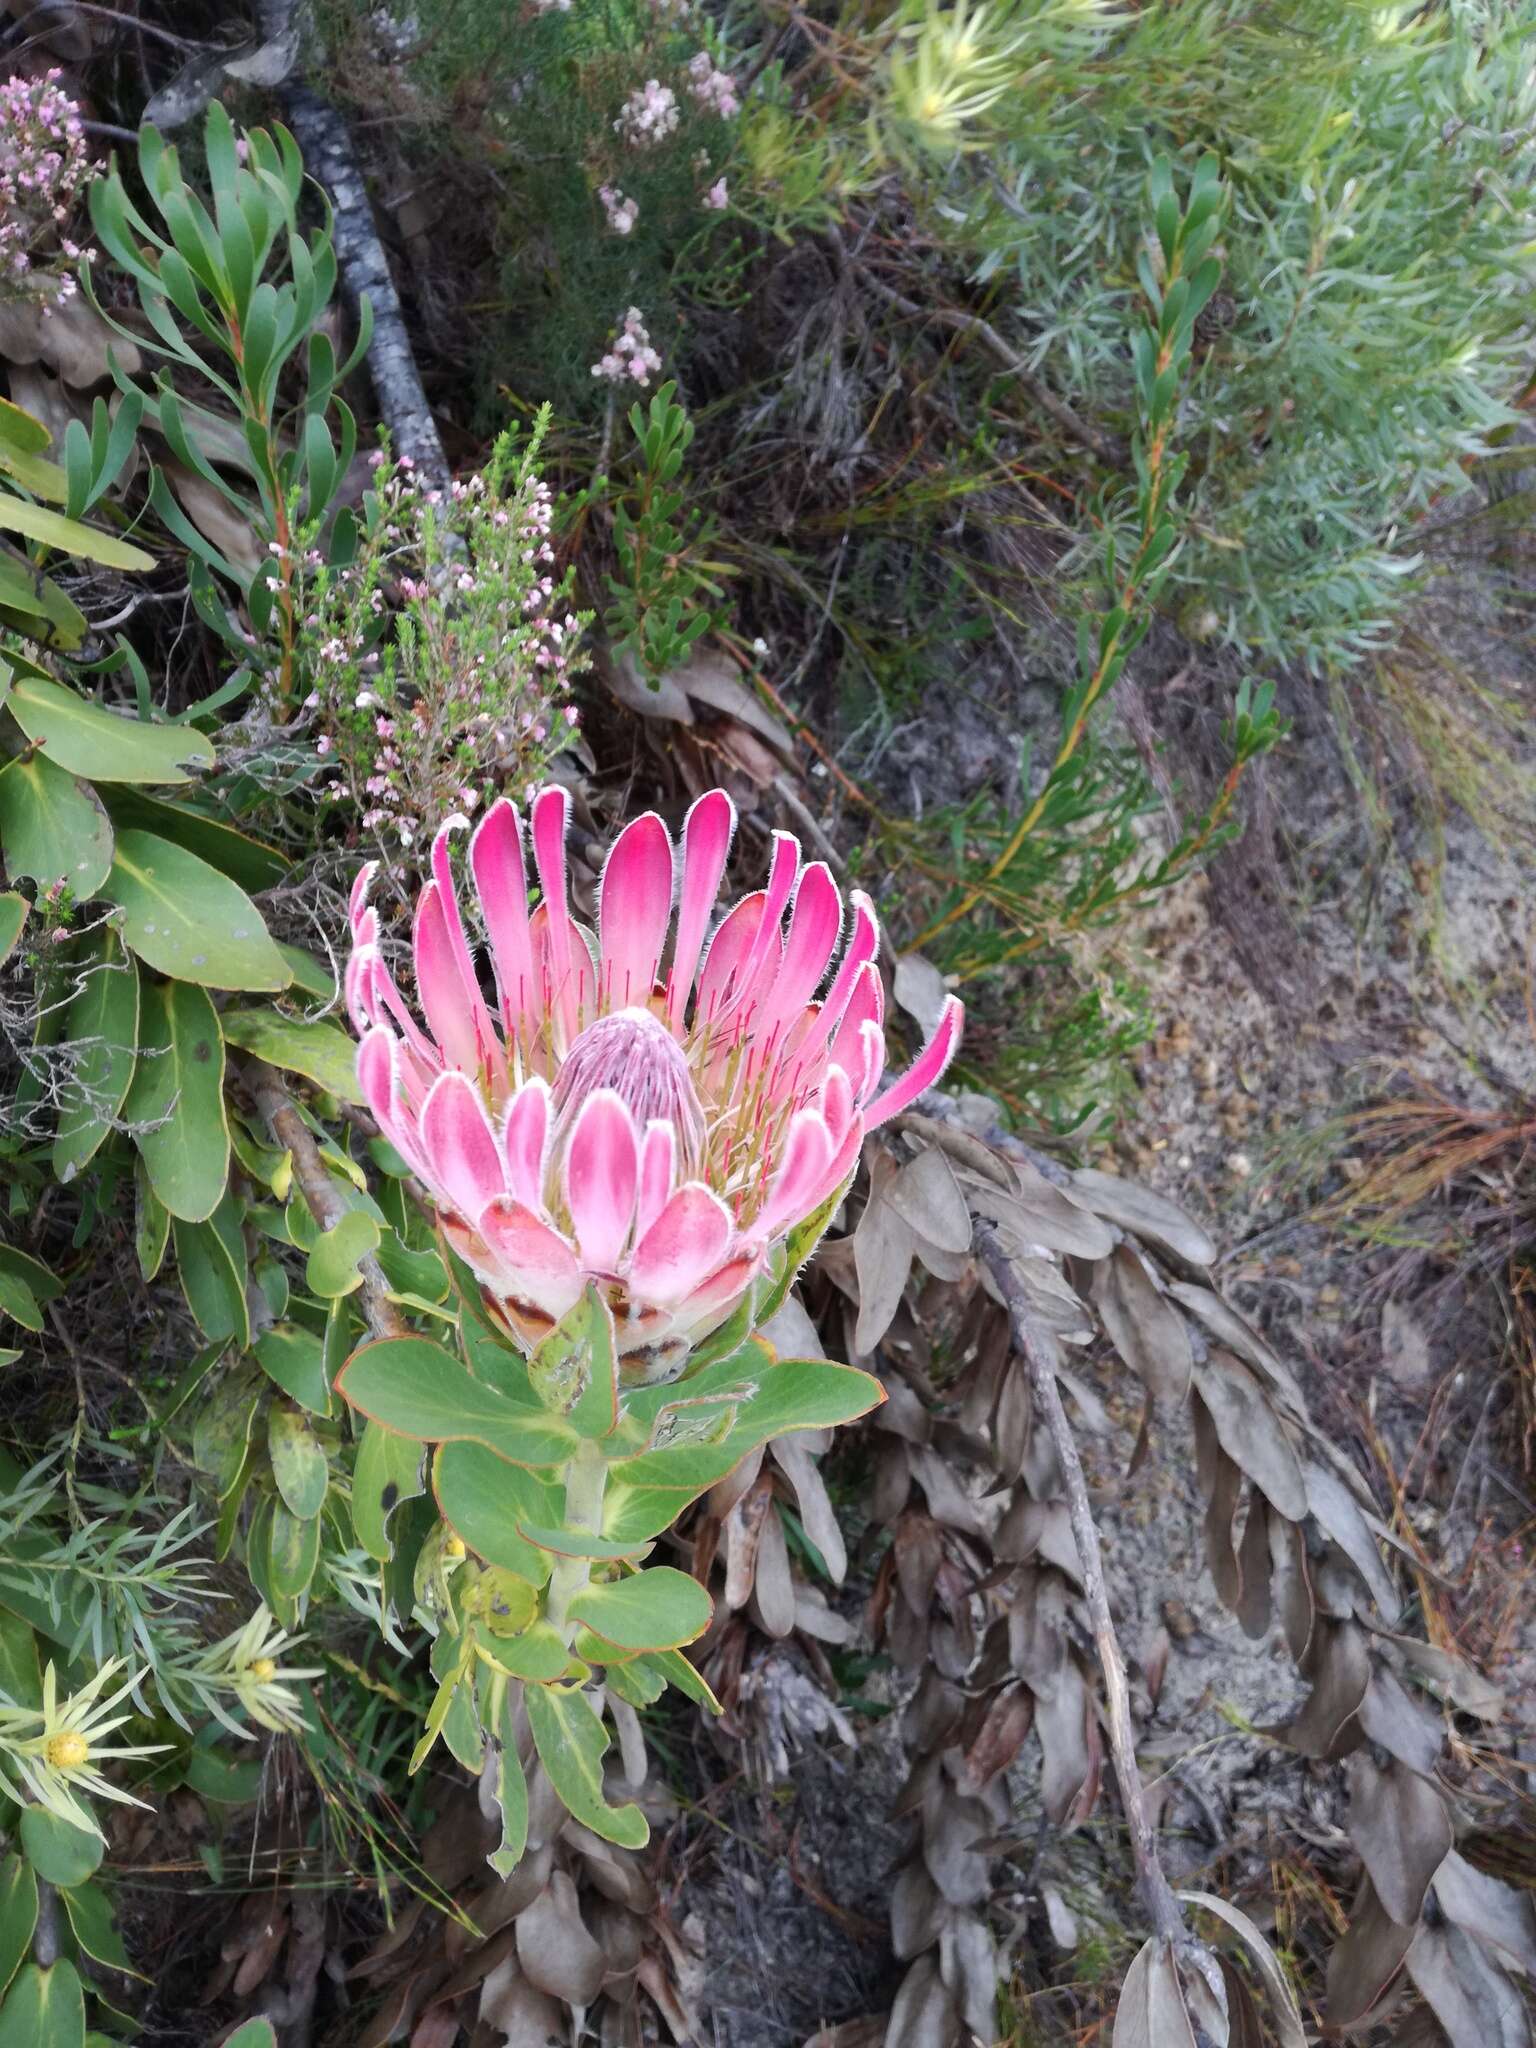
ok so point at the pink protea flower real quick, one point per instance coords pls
(657, 1129)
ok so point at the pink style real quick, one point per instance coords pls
(656, 1132)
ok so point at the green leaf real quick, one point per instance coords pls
(511, 1798)
(254, 2034)
(319, 1051)
(311, 976)
(90, 1920)
(333, 1261)
(218, 1774)
(250, 862)
(486, 1501)
(52, 829)
(151, 1222)
(18, 1913)
(293, 1358)
(44, 2009)
(26, 594)
(61, 1853)
(188, 920)
(298, 1461)
(104, 746)
(293, 1551)
(676, 1669)
(538, 1656)
(13, 918)
(36, 522)
(574, 1371)
(576, 1542)
(211, 1264)
(178, 1095)
(654, 1610)
(21, 1675)
(22, 432)
(570, 1740)
(418, 1389)
(387, 1470)
(103, 1020)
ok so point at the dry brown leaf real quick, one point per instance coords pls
(969, 1968)
(1327, 1726)
(1239, 1335)
(554, 1946)
(1468, 1993)
(521, 2014)
(925, 2014)
(213, 516)
(709, 679)
(1039, 1213)
(1151, 2012)
(666, 701)
(952, 1825)
(1500, 1917)
(1464, 1685)
(744, 1528)
(1251, 1433)
(1401, 1826)
(920, 989)
(1335, 1510)
(917, 1912)
(773, 1584)
(1009, 1716)
(1148, 1216)
(926, 1195)
(793, 1458)
(1398, 1723)
(883, 1246)
(1144, 1328)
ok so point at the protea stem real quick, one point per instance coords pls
(585, 1477)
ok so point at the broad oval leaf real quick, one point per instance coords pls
(293, 1358)
(487, 1503)
(336, 1254)
(57, 1850)
(298, 1461)
(188, 920)
(387, 1471)
(44, 2008)
(418, 1389)
(103, 1022)
(250, 862)
(18, 1914)
(570, 1740)
(293, 1551)
(177, 1097)
(211, 1265)
(52, 829)
(319, 1051)
(104, 746)
(660, 1609)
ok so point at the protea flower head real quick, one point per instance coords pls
(655, 1117)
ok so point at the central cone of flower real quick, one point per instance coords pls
(67, 1751)
(633, 1053)
(600, 1120)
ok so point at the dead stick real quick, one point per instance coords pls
(325, 1205)
(1038, 1351)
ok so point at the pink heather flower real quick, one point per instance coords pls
(631, 354)
(659, 1132)
(713, 89)
(622, 213)
(649, 115)
(717, 199)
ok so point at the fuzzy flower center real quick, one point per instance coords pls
(634, 1054)
(263, 1670)
(67, 1751)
